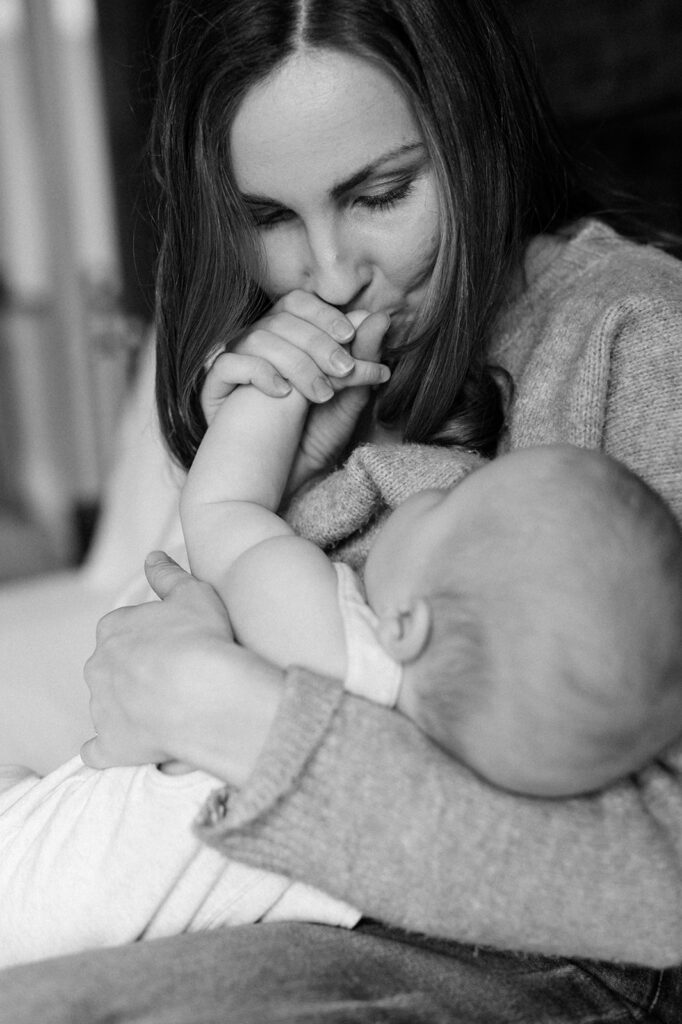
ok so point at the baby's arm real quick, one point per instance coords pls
(279, 589)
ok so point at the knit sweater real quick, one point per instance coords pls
(356, 800)
(345, 510)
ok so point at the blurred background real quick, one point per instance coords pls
(76, 238)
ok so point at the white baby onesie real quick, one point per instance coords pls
(99, 858)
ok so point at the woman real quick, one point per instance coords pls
(317, 159)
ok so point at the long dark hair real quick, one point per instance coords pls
(503, 175)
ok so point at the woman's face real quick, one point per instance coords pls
(332, 165)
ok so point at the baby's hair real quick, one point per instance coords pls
(455, 671)
(580, 623)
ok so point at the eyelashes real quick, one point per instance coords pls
(272, 217)
(386, 200)
(268, 216)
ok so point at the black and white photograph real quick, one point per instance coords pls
(341, 512)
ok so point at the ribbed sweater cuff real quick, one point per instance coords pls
(306, 711)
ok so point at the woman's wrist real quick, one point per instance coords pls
(233, 713)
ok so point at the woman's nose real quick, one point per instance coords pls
(337, 269)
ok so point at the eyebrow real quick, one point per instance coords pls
(358, 178)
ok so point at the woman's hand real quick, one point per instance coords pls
(330, 426)
(168, 683)
(300, 343)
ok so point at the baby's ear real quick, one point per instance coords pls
(404, 634)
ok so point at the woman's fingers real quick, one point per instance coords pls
(284, 350)
(307, 357)
(366, 348)
(146, 666)
(307, 306)
(365, 374)
(163, 573)
(369, 336)
(299, 350)
(312, 328)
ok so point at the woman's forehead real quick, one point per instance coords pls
(321, 116)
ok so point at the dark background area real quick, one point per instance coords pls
(129, 32)
(612, 69)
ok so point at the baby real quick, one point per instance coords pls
(529, 619)
(537, 611)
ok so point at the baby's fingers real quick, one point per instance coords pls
(232, 369)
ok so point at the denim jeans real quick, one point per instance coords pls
(304, 974)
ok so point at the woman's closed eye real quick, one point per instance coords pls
(266, 216)
(270, 217)
(385, 200)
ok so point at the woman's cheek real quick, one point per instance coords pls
(418, 259)
(416, 246)
(280, 266)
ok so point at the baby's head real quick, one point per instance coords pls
(537, 610)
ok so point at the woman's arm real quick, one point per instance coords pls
(354, 799)
(370, 809)
(643, 413)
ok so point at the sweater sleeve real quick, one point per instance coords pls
(424, 845)
(643, 416)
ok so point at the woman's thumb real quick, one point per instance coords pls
(163, 573)
(370, 335)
